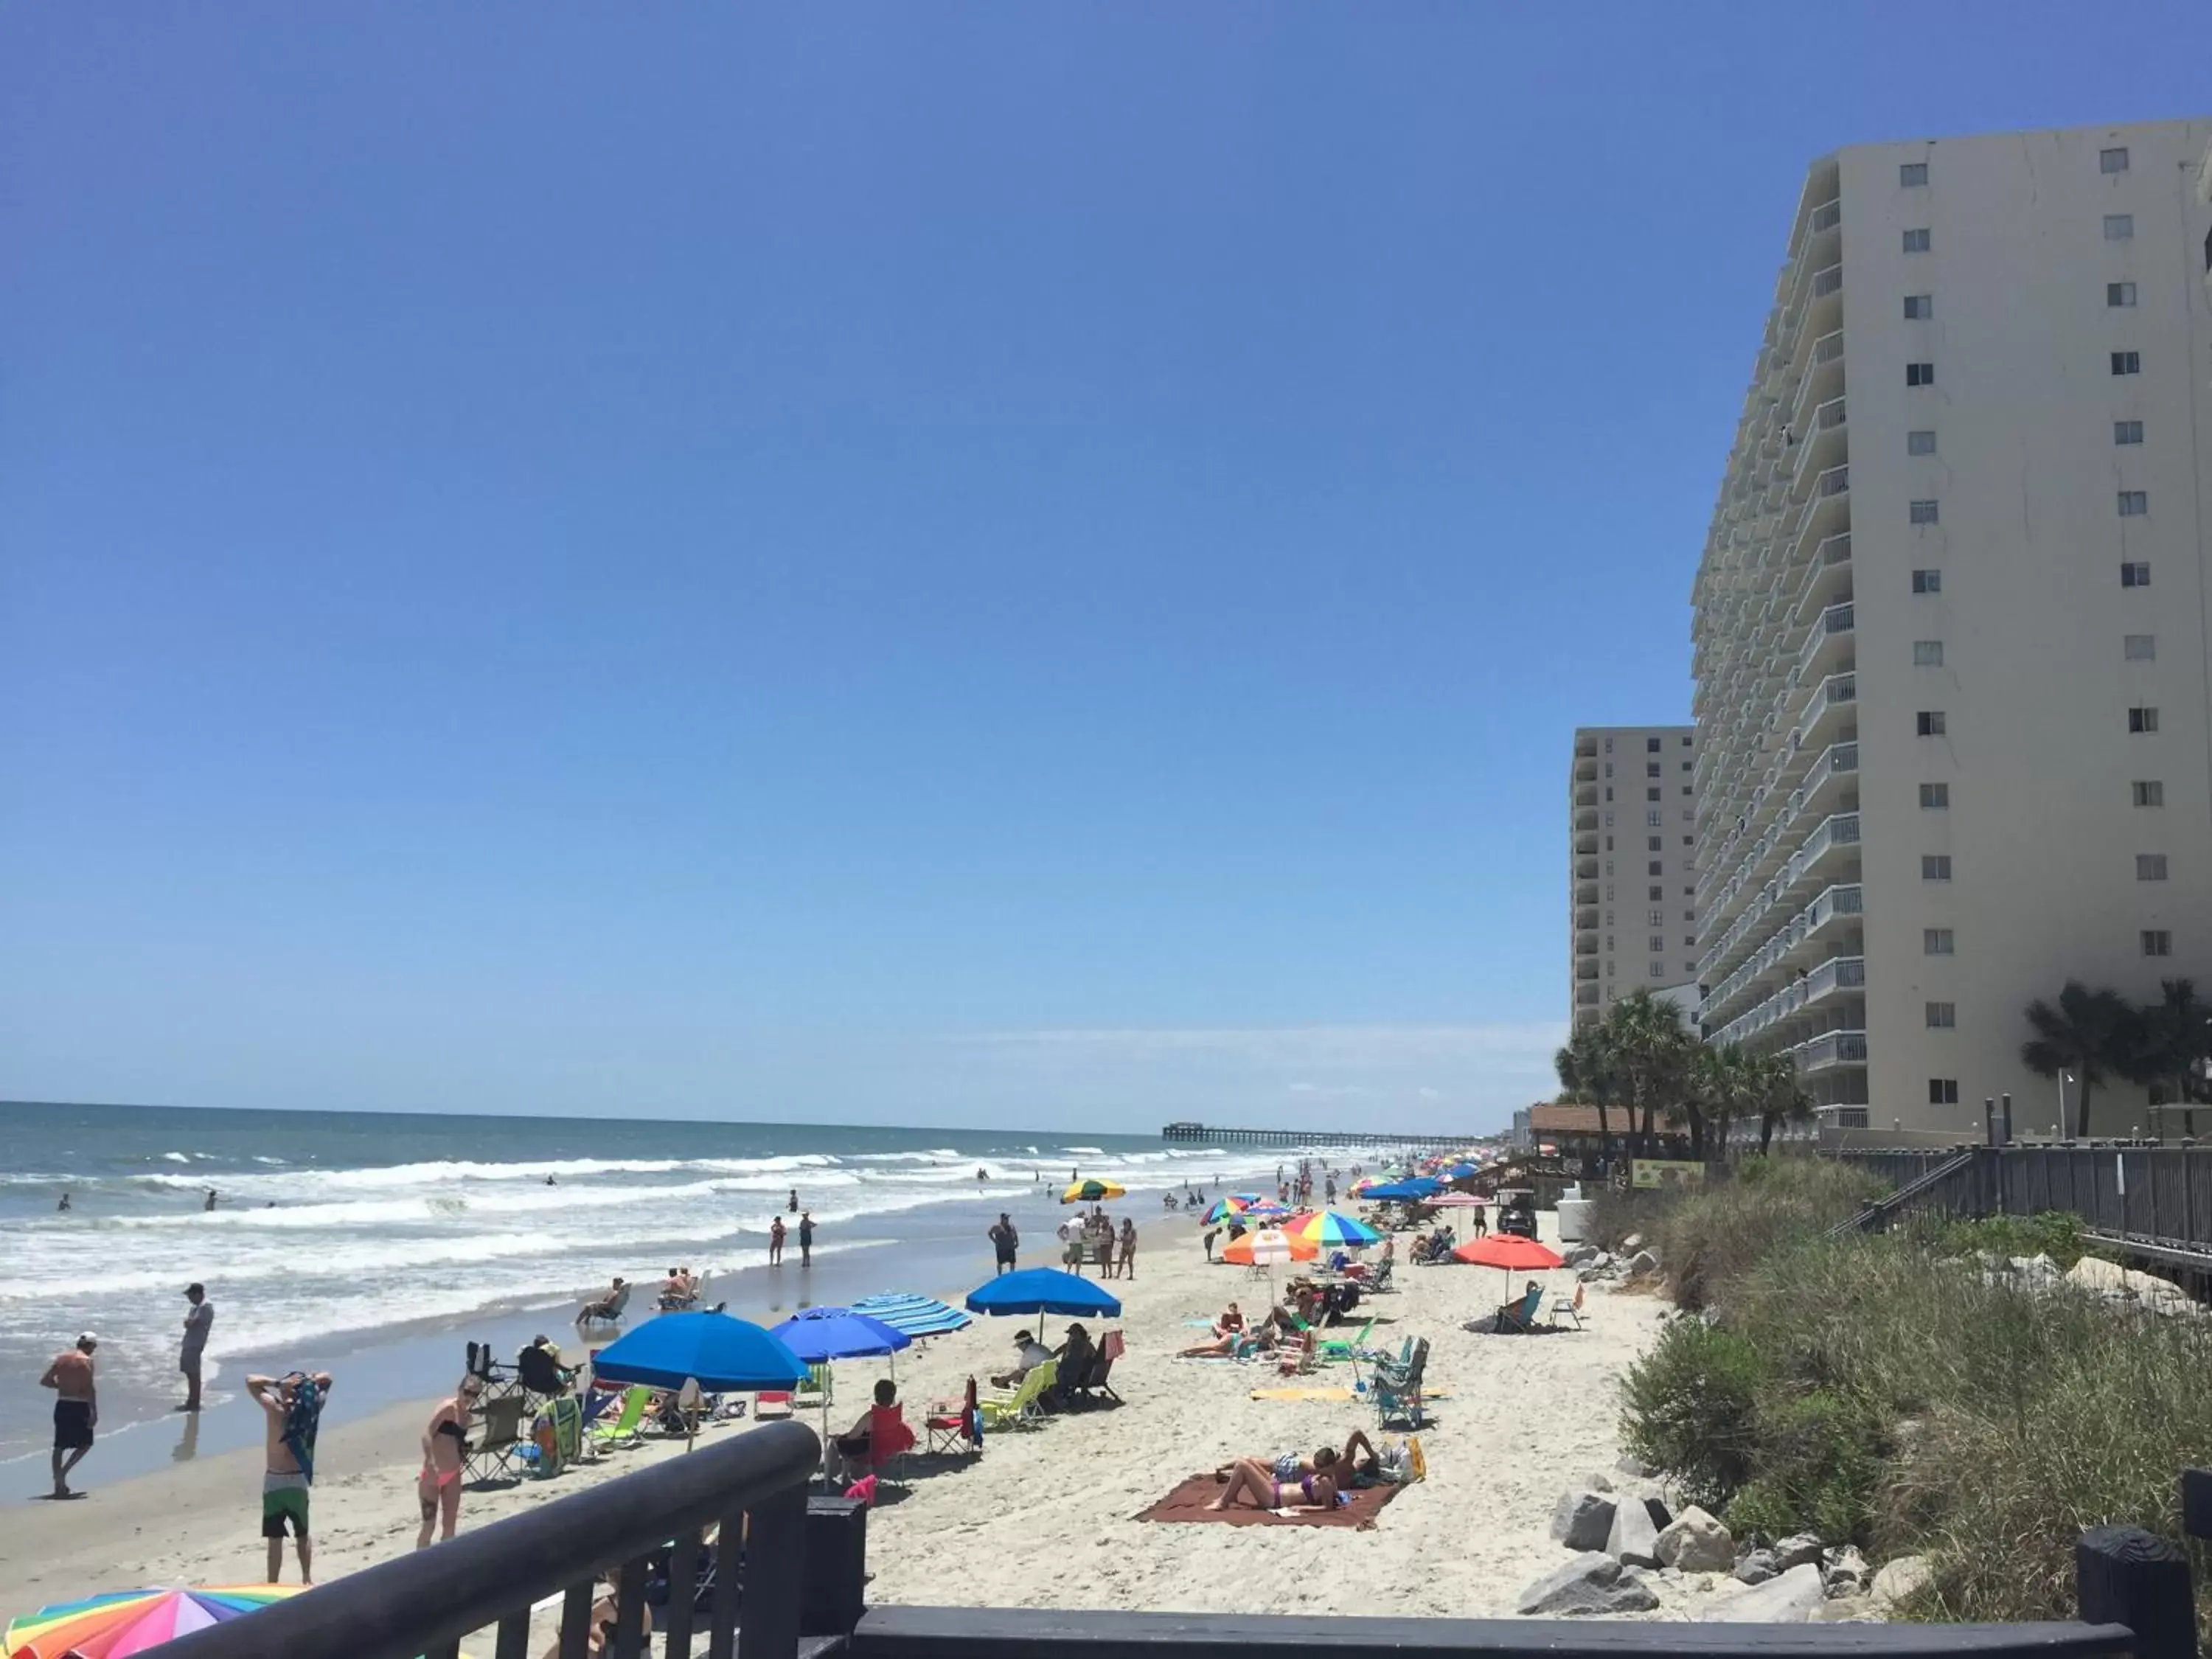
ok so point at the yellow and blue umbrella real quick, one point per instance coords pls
(1093, 1192)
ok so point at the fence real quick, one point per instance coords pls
(2154, 1201)
(801, 1575)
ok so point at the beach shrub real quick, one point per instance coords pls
(1819, 1457)
(1689, 1407)
(2054, 1233)
(1710, 1238)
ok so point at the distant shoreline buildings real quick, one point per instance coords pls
(1953, 738)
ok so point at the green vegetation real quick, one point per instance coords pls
(2094, 1035)
(1642, 1059)
(1877, 1389)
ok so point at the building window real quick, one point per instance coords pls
(2127, 362)
(1928, 581)
(1656, 893)
(1942, 1016)
(1689, 766)
(2148, 792)
(1689, 916)
(1928, 653)
(1651, 820)
(1609, 792)
(1608, 748)
(1912, 173)
(1653, 843)
(2134, 503)
(1928, 722)
(1658, 970)
(1921, 511)
(2118, 227)
(2150, 866)
(1651, 745)
(1916, 241)
(1654, 918)
(1920, 374)
(2140, 647)
(1934, 867)
(1686, 788)
(2142, 718)
(2157, 942)
(1658, 941)
(1609, 818)
(1686, 743)
(1689, 815)
(1651, 769)
(1608, 892)
(2112, 160)
(1652, 869)
(2136, 574)
(1942, 1091)
(1920, 443)
(2119, 295)
(2127, 432)
(1651, 794)
(1934, 797)
(1919, 307)
(1609, 847)
(1936, 942)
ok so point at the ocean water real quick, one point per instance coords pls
(332, 1227)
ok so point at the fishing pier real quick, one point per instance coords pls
(1200, 1135)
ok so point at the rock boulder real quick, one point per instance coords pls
(1633, 1541)
(1898, 1579)
(1641, 1263)
(1696, 1542)
(1756, 1568)
(1787, 1600)
(1796, 1551)
(1590, 1584)
(1583, 1520)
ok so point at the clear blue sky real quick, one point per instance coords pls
(1000, 564)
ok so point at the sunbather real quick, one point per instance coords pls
(1520, 1314)
(1232, 1319)
(605, 1308)
(1033, 1354)
(1358, 1455)
(1235, 1344)
(1289, 1481)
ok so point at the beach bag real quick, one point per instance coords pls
(1400, 1463)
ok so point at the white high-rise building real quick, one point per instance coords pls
(1955, 728)
(1632, 889)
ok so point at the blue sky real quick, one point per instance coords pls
(1015, 564)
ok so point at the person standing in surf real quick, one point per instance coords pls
(1004, 1242)
(806, 1238)
(199, 1319)
(76, 1408)
(775, 1241)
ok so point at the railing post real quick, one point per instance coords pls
(836, 1567)
(2196, 1503)
(2125, 1576)
(2004, 1114)
(775, 1564)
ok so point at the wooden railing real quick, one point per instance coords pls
(798, 1588)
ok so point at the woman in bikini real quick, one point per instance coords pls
(444, 1444)
(1294, 1482)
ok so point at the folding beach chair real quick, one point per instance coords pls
(1024, 1407)
(1571, 1306)
(770, 1404)
(947, 1423)
(623, 1430)
(814, 1393)
(494, 1437)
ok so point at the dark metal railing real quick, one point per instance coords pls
(425, 1602)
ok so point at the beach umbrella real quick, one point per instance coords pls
(1093, 1192)
(1458, 1201)
(1512, 1252)
(917, 1316)
(1268, 1246)
(1264, 1209)
(1221, 1210)
(819, 1335)
(1464, 1172)
(131, 1621)
(720, 1352)
(1043, 1291)
(1330, 1230)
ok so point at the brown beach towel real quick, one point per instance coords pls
(1188, 1502)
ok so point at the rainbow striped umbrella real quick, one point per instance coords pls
(1331, 1230)
(1222, 1209)
(130, 1621)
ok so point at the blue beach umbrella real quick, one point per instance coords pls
(819, 1335)
(1043, 1291)
(1464, 1172)
(917, 1316)
(1402, 1192)
(721, 1354)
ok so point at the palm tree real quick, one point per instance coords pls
(1652, 1052)
(1588, 1077)
(2088, 1033)
(2173, 1038)
(1778, 1092)
(1720, 1076)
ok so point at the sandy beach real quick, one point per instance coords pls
(1044, 1517)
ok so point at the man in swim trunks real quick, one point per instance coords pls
(284, 1486)
(445, 1443)
(76, 1408)
(199, 1319)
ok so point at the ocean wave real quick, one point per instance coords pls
(176, 1157)
(1089, 1151)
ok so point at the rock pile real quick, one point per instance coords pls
(1593, 1264)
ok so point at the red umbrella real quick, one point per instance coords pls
(1509, 1251)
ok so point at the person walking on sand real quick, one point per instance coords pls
(199, 1319)
(292, 1405)
(1004, 1242)
(1128, 1247)
(775, 1241)
(806, 1238)
(445, 1443)
(76, 1408)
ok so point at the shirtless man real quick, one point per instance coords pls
(76, 1408)
(444, 1442)
(285, 1485)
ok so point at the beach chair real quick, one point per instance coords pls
(1024, 1407)
(890, 1440)
(1336, 1351)
(1571, 1306)
(623, 1430)
(1519, 1315)
(1397, 1388)
(1379, 1278)
(494, 1437)
(814, 1393)
(607, 1312)
(948, 1423)
(1111, 1348)
(770, 1404)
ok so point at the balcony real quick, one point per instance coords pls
(1830, 1050)
(1830, 642)
(1837, 973)
(1821, 444)
(1585, 818)
(1585, 869)
(1586, 794)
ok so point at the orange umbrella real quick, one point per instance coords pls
(1276, 1246)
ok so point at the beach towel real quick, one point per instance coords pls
(1188, 1502)
(1301, 1394)
(301, 1420)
